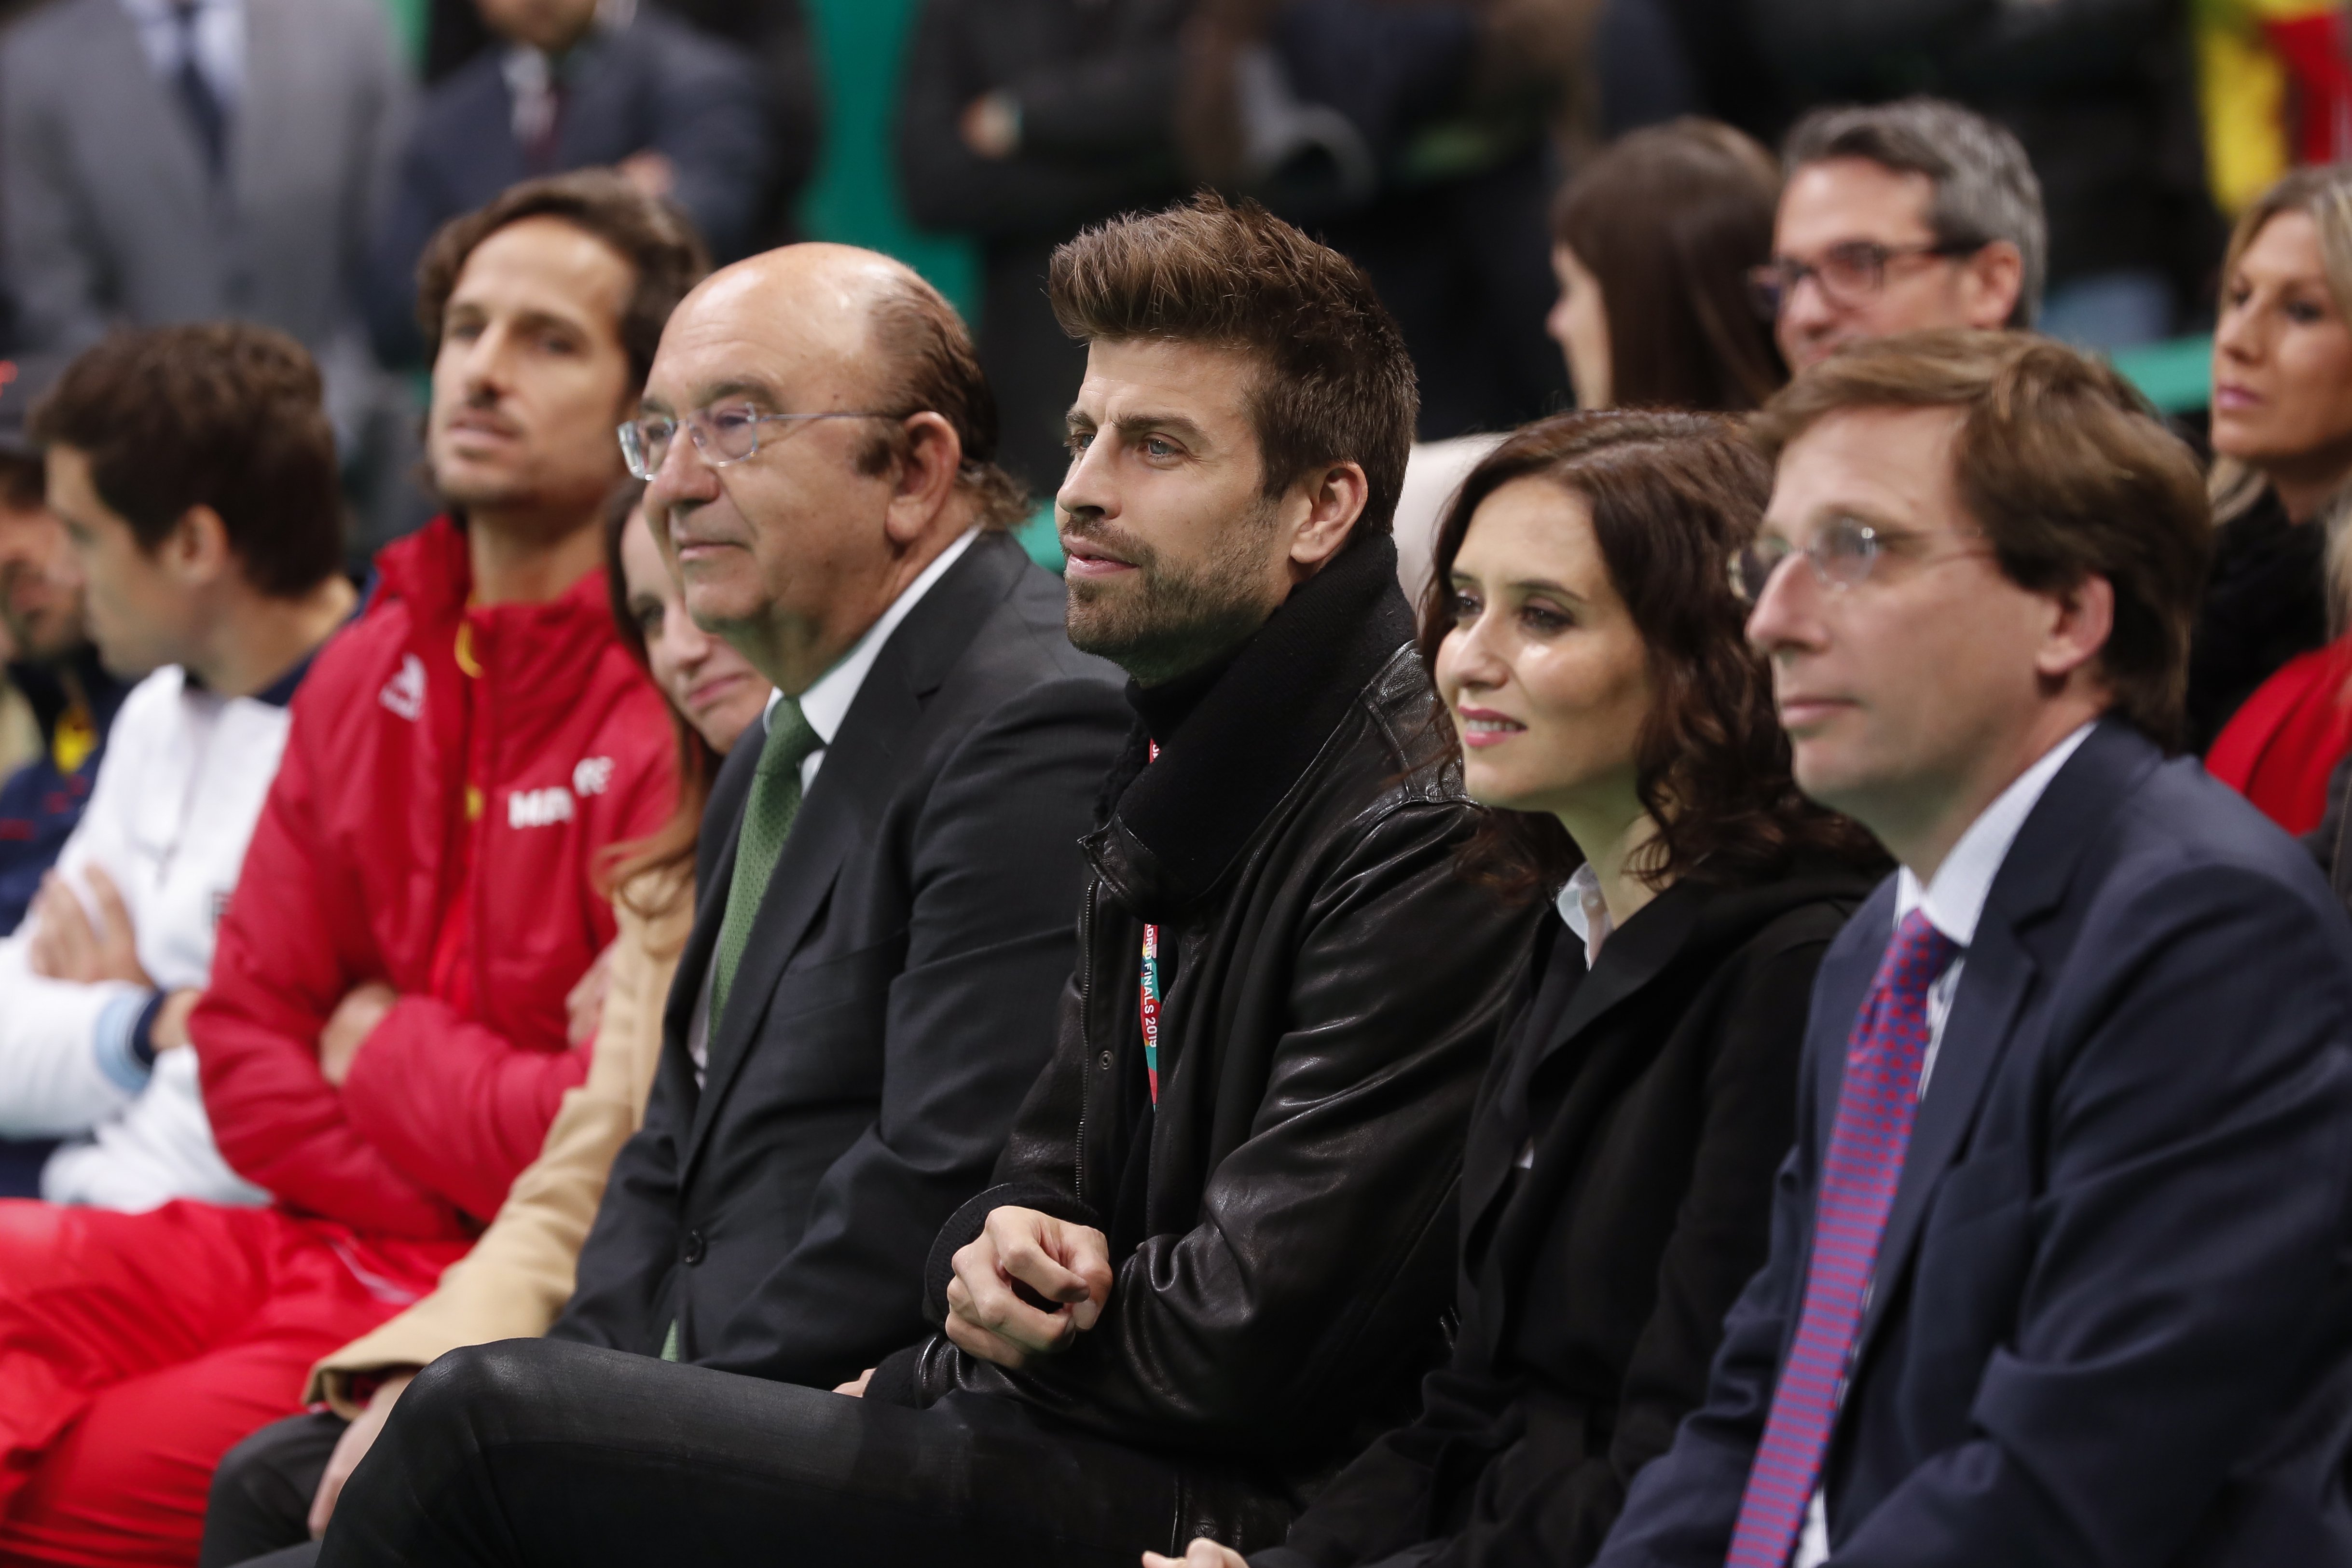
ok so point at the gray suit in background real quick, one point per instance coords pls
(108, 215)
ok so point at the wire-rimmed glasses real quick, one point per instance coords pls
(1842, 554)
(724, 434)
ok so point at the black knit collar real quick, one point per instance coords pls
(1180, 826)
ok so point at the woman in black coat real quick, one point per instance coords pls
(1618, 1178)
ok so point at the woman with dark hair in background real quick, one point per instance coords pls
(1617, 1183)
(1653, 242)
(276, 1491)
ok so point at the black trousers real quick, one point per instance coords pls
(259, 1508)
(539, 1451)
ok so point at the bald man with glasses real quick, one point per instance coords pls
(887, 881)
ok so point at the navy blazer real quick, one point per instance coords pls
(2111, 1323)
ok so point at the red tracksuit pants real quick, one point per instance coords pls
(134, 1350)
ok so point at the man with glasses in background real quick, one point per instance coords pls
(1898, 218)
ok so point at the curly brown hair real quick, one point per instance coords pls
(1673, 496)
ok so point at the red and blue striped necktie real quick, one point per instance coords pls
(1864, 1160)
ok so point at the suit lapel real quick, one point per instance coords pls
(1839, 987)
(1487, 1161)
(863, 769)
(1649, 942)
(1631, 961)
(855, 773)
(714, 865)
(1999, 973)
(1992, 987)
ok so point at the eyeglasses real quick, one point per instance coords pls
(723, 436)
(1843, 555)
(1849, 272)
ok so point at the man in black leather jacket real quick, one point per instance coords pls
(1219, 1248)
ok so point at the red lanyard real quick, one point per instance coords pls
(1148, 1003)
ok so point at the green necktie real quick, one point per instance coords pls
(767, 817)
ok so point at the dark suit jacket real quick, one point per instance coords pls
(895, 1003)
(2111, 1323)
(657, 85)
(1657, 1095)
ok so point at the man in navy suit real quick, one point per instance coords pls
(2059, 1263)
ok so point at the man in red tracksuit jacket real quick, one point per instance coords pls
(384, 1040)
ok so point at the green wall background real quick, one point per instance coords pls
(853, 197)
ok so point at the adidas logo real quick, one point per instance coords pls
(405, 693)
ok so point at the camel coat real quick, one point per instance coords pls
(518, 1275)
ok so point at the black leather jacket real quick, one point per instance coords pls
(1282, 1222)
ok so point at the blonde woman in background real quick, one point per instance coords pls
(520, 1273)
(2282, 447)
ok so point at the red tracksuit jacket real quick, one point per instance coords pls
(439, 831)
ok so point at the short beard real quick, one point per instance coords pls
(1170, 619)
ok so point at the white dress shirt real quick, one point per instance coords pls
(1954, 900)
(219, 39)
(825, 704)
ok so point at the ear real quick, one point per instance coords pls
(1333, 500)
(925, 479)
(1992, 280)
(197, 550)
(2082, 619)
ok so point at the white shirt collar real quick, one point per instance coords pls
(826, 704)
(1585, 911)
(220, 41)
(1955, 898)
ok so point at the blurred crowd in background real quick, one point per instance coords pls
(285, 161)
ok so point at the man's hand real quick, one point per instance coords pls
(584, 1007)
(68, 945)
(1202, 1554)
(1066, 1264)
(355, 1018)
(351, 1448)
(855, 1388)
(170, 1030)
